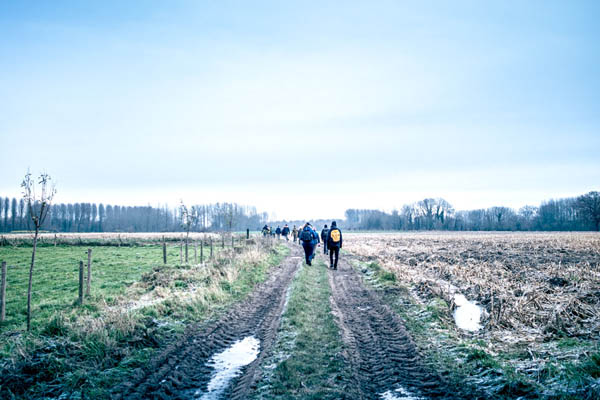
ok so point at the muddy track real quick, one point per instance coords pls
(181, 369)
(381, 353)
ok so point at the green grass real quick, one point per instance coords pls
(56, 277)
(307, 362)
(98, 345)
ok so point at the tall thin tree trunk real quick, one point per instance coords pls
(35, 238)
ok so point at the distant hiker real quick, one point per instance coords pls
(265, 230)
(324, 233)
(309, 239)
(285, 232)
(278, 232)
(334, 243)
(295, 233)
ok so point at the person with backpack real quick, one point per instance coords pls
(334, 243)
(285, 232)
(278, 232)
(309, 239)
(324, 234)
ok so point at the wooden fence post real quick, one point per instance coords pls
(55, 240)
(80, 282)
(195, 252)
(211, 249)
(223, 241)
(201, 250)
(164, 246)
(186, 250)
(247, 233)
(180, 252)
(89, 273)
(232, 243)
(3, 293)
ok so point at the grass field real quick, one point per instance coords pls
(137, 305)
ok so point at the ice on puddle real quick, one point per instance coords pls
(228, 365)
(399, 394)
(467, 314)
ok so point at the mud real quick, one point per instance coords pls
(383, 357)
(384, 361)
(184, 370)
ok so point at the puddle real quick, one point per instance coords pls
(399, 394)
(467, 314)
(228, 365)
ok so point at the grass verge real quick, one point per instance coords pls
(86, 350)
(306, 361)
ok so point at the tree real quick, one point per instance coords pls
(38, 208)
(589, 207)
(189, 217)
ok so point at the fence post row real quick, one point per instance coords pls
(80, 282)
(3, 293)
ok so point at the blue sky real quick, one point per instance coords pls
(303, 109)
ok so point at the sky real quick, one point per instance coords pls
(302, 109)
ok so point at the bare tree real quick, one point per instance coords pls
(589, 207)
(189, 218)
(38, 207)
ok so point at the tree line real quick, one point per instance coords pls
(92, 217)
(580, 213)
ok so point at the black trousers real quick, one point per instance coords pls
(335, 250)
(309, 250)
(325, 246)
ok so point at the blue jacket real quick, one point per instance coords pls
(315, 236)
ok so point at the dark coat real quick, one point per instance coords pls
(314, 235)
(330, 242)
(324, 234)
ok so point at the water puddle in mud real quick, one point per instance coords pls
(467, 314)
(227, 365)
(399, 394)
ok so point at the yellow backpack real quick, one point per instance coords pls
(335, 235)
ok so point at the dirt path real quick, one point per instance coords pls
(381, 353)
(181, 371)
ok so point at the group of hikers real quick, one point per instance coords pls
(308, 237)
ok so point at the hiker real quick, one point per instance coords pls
(310, 240)
(278, 232)
(265, 230)
(285, 232)
(334, 243)
(324, 233)
(295, 233)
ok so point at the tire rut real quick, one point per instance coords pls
(380, 351)
(181, 368)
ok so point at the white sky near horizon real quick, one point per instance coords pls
(302, 110)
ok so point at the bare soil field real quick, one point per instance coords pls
(539, 296)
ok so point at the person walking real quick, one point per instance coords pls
(265, 230)
(278, 232)
(310, 239)
(295, 233)
(324, 234)
(334, 243)
(285, 232)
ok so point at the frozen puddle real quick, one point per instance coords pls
(228, 365)
(399, 394)
(467, 314)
